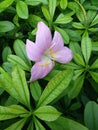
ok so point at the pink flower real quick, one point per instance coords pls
(45, 51)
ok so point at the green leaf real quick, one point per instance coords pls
(47, 113)
(6, 26)
(36, 2)
(95, 21)
(77, 73)
(19, 80)
(63, 4)
(16, 85)
(7, 84)
(55, 87)
(70, 65)
(38, 125)
(94, 76)
(65, 124)
(91, 115)
(77, 85)
(34, 19)
(18, 125)
(52, 7)
(78, 25)
(15, 60)
(79, 59)
(4, 4)
(63, 19)
(7, 67)
(75, 47)
(95, 46)
(94, 65)
(46, 13)
(20, 50)
(86, 46)
(94, 2)
(35, 90)
(31, 125)
(63, 34)
(74, 35)
(10, 101)
(22, 10)
(91, 14)
(5, 53)
(51, 74)
(12, 112)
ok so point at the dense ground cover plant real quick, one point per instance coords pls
(65, 97)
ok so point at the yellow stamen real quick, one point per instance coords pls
(44, 64)
(51, 53)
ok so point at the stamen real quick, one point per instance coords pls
(51, 53)
(44, 64)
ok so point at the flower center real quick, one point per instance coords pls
(46, 63)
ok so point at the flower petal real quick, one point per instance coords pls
(57, 42)
(43, 37)
(33, 52)
(41, 69)
(63, 56)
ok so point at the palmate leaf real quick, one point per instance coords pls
(47, 113)
(12, 112)
(55, 87)
(18, 125)
(15, 86)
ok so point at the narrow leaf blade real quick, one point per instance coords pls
(55, 87)
(47, 113)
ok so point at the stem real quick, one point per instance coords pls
(84, 12)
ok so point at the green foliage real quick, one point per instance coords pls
(4, 4)
(47, 113)
(22, 9)
(6, 26)
(71, 89)
(65, 124)
(90, 115)
(55, 87)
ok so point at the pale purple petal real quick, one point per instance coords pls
(62, 56)
(43, 37)
(57, 43)
(33, 52)
(41, 69)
